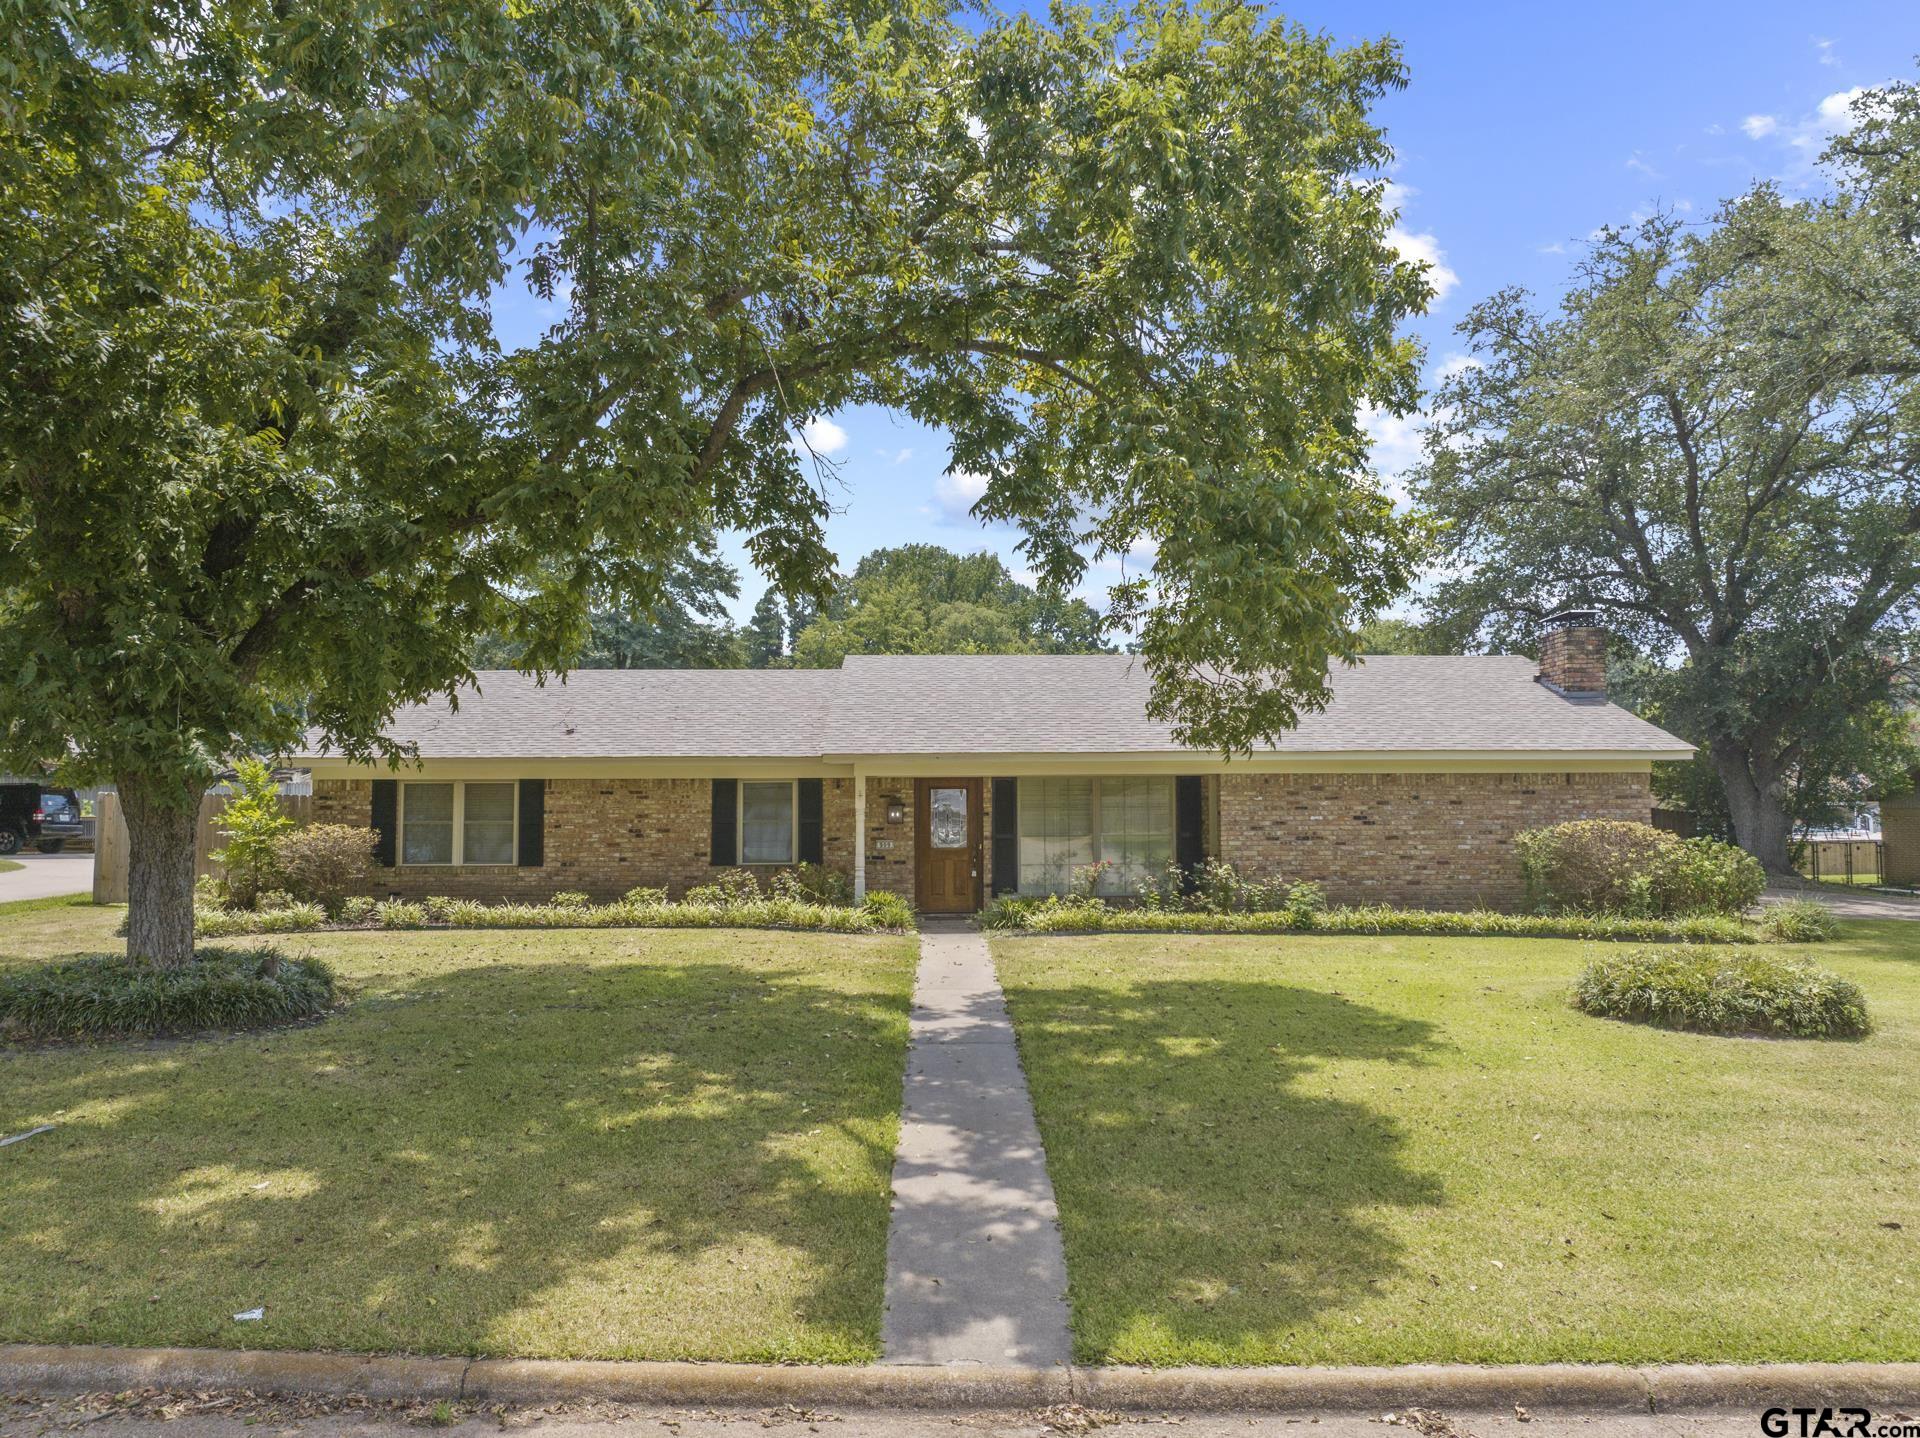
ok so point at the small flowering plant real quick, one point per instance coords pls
(1085, 882)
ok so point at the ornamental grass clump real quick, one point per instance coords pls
(1712, 992)
(111, 996)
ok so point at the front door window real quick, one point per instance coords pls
(948, 828)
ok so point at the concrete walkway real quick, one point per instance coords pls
(975, 1272)
(46, 876)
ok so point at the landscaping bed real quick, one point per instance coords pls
(580, 1144)
(1070, 916)
(1393, 1150)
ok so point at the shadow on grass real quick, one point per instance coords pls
(1211, 1197)
(626, 1159)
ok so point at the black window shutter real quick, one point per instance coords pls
(533, 823)
(1189, 825)
(385, 819)
(726, 822)
(1006, 836)
(812, 820)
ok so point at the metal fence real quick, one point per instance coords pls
(110, 841)
(1843, 861)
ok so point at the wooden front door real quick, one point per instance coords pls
(946, 846)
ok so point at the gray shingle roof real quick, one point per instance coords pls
(996, 704)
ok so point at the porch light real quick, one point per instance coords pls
(896, 810)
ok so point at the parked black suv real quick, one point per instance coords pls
(47, 818)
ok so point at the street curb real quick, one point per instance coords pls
(26, 1368)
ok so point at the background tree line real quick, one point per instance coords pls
(907, 599)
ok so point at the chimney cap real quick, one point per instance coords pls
(1573, 619)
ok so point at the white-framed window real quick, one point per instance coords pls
(1065, 823)
(769, 826)
(460, 822)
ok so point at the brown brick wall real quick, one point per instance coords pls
(1575, 660)
(603, 837)
(1421, 840)
(1424, 839)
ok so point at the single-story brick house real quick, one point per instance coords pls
(950, 779)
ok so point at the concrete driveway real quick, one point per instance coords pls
(1857, 904)
(44, 876)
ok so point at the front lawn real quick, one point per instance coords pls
(1350, 1150)
(609, 1144)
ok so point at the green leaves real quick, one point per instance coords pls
(1713, 442)
(264, 464)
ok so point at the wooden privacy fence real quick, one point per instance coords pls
(1846, 860)
(110, 841)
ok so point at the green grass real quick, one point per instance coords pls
(1351, 1150)
(611, 1144)
(7, 866)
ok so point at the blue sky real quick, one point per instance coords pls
(1525, 127)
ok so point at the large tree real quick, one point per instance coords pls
(688, 628)
(1715, 442)
(262, 455)
(923, 599)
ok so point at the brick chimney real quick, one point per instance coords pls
(1573, 655)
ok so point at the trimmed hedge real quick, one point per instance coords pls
(881, 913)
(1723, 994)
(1071, 917)
(110, 996)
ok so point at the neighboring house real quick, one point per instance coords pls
(950, 779)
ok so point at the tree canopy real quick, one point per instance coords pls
(1716, 443)
(263, 461)
(923, 599)
(689, 628)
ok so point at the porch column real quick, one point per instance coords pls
(859, 837)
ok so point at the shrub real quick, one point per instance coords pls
(1798, 921)
(729, 890)
(644, 896)
(357, 910)
(570, 899)
(1084, 882)
(1704, 876)
(107, 995)
(1589, 865)
(1716, 993)
(1054, 915)
(1010, 911)
(224, 923)
(324, 863)
(273, 901)
(812, 884)
(253, 822)
(399, 914)
(887, 910)
(1219, 888)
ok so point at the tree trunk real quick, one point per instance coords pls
(161, 816)
(1757, 804)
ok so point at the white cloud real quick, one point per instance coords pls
(1636, 161)
(1423, 248)
(1835, 115)
(1824, 50)
(1396, 446)
(958, 490)
(1456, 363)
(1758, 127)
(1556, 248)
(823, 436)
(902, 456)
